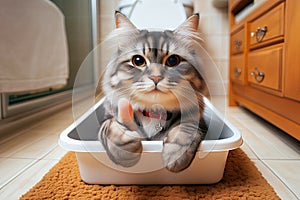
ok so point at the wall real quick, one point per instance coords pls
(107, 21)
(213, 27)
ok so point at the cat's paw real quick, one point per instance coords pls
(176, 157)
(120, 136)
(125, 114)
(124, 147)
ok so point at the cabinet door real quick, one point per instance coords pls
(237, 69)
(237, 42)
(264, 67)
(292, 65)
(268, 27)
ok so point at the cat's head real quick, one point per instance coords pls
(154, 67)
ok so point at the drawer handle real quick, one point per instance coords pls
(258, 75)
(237, 44)
(260, 33)
(237, 72)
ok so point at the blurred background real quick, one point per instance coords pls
(86, 24)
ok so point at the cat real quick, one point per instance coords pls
(154, 91)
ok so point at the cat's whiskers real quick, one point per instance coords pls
(185, 96)
(144, 85)
(170, 85)
(188, 88)
(121, 92)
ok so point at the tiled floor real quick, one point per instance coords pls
(27, 156)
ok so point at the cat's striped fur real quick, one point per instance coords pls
(157, 72)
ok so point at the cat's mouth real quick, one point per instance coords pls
(156, 90)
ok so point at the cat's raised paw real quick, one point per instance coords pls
(123, 146)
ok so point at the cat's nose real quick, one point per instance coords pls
(156, 79)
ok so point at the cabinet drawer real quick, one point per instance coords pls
(268, 27)
(264, 67)
(237, 42)
(237, 69)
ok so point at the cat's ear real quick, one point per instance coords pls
(189, 25)
(123, 22)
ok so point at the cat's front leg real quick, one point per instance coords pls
(120, 137)
(180, 147)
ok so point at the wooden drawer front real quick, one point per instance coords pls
(264, 67)
(237, 42)
(237, 68)
(268, 26)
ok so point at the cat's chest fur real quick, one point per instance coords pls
(153, 125)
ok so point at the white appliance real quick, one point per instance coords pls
(156, 14)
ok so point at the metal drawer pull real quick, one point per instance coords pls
(237, 44)
(258, 75)
(259, 33)
(237, 72)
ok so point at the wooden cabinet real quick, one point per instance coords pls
(268, 27)
(263, 71)
(237, 72)
(238, 42)
(292, 62)
(264, 60)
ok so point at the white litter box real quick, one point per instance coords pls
(96, 168)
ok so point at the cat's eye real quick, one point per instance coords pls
(173, 60)
(138, 61)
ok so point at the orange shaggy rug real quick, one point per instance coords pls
(241, 180)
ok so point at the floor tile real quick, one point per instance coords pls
(26, 180)
(10, 168)
(18, 131)
(245, 147)
(220, 103)
(20, 142)
(4, 138)
(241, 113)
(288, 171)
(53, 126)
(280, 188)
(265, 142)
(38, 149)
(56, 154)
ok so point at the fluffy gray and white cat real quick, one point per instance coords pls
(154, 91)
